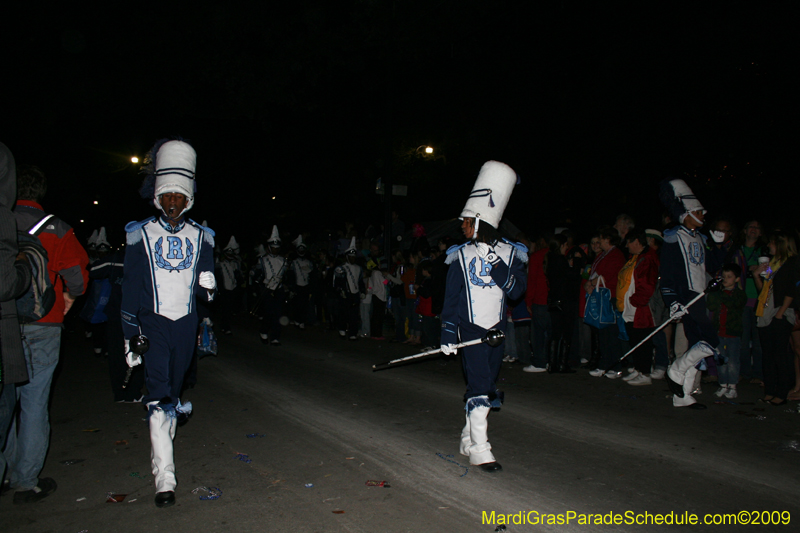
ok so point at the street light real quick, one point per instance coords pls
(134, 159)
(428, 150)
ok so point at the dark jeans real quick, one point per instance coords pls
(376, 320)
(642, 358)
(541, 330)
(522, 334)
(778, 358)
(431, 329)
(610, 348)
(750, 356)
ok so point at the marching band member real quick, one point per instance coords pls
(271, 270)
(169, 261)
(684, 275)
(484, 273)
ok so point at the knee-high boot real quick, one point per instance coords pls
(480, 451)
(681, 373)
(466, 440)
(563, 357)
(552, 356)
(162, 432)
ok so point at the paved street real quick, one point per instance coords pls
(568, 443)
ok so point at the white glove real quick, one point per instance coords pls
(718, 237)
(448, 349)
(483, 249)
(207, 280)
(131, 358)
(677, 310)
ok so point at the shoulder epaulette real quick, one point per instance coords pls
(671, 235)
(520, 250)
(452, 253)
(133, 229)
(208, 233)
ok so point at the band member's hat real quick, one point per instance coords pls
(233, 246)
(679, 199)
(275, 238)
(298, 243)
(92, 242)
(491, 193)
(102, 241)
(351, 250)
(175, 164)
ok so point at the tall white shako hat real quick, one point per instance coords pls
(233, 246)
(275, 238)
(679, 199)
(490, 194)
(298, 243)
(102, 241)
(175, 164)
(92, 242)
(351, 250)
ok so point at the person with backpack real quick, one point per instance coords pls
(29, 438)
(15, 279)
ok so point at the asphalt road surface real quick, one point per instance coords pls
(316, 424)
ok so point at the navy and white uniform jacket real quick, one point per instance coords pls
(162, 267)
(231, 273)
(684, 265)
(477, 289)
(349, 277)
(301, 267)
(271, 269)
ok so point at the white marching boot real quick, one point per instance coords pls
(480, 453)
(682, 372)
(466, 440)
(162, 432)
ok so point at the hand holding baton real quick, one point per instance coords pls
(713, 285)
(139, 346)
(493, 337)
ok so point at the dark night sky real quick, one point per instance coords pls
(313, 102)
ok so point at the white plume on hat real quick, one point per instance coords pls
(232, 244)
(351, 250)
(92, 242)
(298, 242)
(275, 237)
(490, 194)
(175, 166)
(101, 238)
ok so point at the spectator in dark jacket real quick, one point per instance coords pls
(15, 276)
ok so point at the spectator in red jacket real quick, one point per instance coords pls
(536, 301)
(636, 286)
(604, 271)
(27, 444)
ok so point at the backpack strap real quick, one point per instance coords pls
(37, 228)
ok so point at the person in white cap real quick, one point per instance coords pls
(301, 268)
(169, 262)
(271, 271)
(348, 279)
(684, 274)
(484, 273)
(229, 267)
